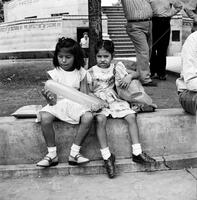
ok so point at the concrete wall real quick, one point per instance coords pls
(20, 9)
(181, 27)
(176, 26)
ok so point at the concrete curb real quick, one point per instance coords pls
(173, 162)
(162, 133)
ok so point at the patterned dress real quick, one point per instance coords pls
(67, 110)
(102, 83)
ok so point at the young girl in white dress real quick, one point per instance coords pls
(68, 62)
(101, 79)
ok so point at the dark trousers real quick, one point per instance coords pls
(161, 38)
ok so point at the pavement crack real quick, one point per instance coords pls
(165, 163)
(188, 171)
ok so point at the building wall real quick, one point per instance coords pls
(180, 29)
(36, 35)
(21, 9)
(37, 38)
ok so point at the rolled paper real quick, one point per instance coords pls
(73, 94)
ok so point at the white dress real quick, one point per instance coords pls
(67, 110)
(102, 83)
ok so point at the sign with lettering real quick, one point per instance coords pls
(30, 36)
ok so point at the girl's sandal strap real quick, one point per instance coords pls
(49, 159)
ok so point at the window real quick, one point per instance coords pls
(32, 17)
(59, 14)
(175, 36)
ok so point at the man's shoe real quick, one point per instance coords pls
(150, 84)
(77, 160)
(48, 162)
(154, 76)
(110, 166)
(162, 78)
(143, 158)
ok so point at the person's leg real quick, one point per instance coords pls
(163, 43)
(154, 60)
(75, 157)
(137, 154)
(134, 132)
(84, 126)
(48, 132)
(139, 33)
(109, 159)
(47, 128)
(86, 56)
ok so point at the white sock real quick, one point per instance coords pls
(137, 149)
(74, 150)
(52, 152)
(105, 153)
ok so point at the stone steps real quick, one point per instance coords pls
(117, 31)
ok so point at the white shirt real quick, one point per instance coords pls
(84, 42)
(188, 77)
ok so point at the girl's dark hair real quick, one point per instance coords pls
(74, 48)
(105, 44)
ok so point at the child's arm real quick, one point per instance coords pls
(50, 97)
(124, 76)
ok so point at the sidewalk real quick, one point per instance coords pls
(162, 185)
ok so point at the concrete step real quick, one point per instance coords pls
(162, 133)
(116, 25)
(116, 17)
(123, 38)
(119, 37)
(119, 43)
(125, 55)
(112, 8)
(117, 29)
(124, 47)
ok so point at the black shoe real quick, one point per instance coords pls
(150, 84)
(143, 158)
(110, 166)
(162, 78)
(154, 76)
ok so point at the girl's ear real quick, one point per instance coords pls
(112, 55)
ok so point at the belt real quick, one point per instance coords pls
(140, 20)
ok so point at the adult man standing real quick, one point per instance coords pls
(187, 83)
(139, 28)
(163, 10)
(191, 10)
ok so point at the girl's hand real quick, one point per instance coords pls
(49, 96)
(124, 83)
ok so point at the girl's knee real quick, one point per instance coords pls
(101, 119)
(87, 117)
(131, 118)
(46, 118)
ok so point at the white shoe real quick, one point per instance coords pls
(77, 160)
(48, 162)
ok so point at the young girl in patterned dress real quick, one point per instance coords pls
(68, 62)
(101, 80)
